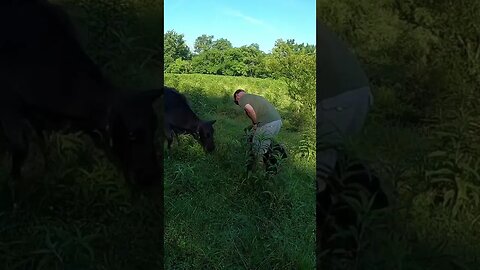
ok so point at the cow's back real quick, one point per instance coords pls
(177, 111)
(43, 67)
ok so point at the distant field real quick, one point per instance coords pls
(216, 218)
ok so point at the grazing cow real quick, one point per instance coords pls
(180, 119)
(47, 82)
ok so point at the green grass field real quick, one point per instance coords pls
(216, 217)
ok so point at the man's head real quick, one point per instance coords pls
(237, 95)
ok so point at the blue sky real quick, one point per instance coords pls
(242, 22)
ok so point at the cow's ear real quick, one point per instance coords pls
(212, 122)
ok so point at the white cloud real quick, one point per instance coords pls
(249, 19)
(243, 16)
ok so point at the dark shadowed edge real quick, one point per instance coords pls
(162, 139)
(318, 196)
(158, 190)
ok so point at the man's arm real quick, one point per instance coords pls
(251, 113)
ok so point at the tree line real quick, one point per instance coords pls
(288, 60)
(219, 57)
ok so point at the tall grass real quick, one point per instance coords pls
(431, 175)
(217, 217)
(79, 216)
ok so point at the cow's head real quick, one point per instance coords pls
(205, 134)
(132, 128)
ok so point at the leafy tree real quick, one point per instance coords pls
(175, 47)
(234, 65)
(296, 65)
(222, 44)
(180, 66)
(203, 43)
(252, 58)
(209, 62)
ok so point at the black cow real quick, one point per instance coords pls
(180, 119)
(47, 82)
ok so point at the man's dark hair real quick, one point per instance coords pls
(235, 95)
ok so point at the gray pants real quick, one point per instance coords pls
(263, 136)
(338, 118)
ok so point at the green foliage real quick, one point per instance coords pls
(296, 65)
(243, 61)
(455, 161)
(421, 51)
(203, 43)
(174, 48)
(222, 44)
(397, 53)
(180, 66)
(307, 146)
(120, 36)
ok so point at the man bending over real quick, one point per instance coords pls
(266, 122)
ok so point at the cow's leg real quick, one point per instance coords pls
(15, 130)
(176, 137)
(168, 135)
(17, 143)
(3, 147)
(35, 136)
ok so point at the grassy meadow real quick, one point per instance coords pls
(216, 217)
